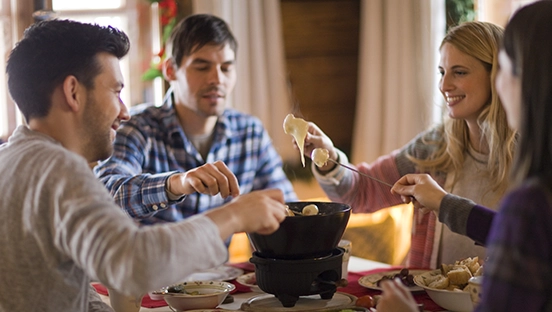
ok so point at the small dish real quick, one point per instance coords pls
(250, 281)
(370, 281)
(196, 294)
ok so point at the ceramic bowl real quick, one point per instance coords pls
(451, 300)
(474, 287)
(195, 294)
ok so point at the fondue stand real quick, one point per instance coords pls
(302, 257)
(356, 264)
(290, 279)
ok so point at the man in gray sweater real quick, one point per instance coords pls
(59, 225)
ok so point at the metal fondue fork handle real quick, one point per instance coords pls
(363, 174)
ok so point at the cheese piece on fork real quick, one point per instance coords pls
(297, 127)
(320, 156)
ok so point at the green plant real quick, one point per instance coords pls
(459, 11)
(168, 10)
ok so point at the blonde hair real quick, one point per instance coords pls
(480, 40)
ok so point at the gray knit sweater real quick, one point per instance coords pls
(60, 227)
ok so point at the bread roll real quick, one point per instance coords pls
(459, 275)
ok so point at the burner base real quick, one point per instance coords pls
(289, 279)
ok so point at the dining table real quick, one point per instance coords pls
(357, 268)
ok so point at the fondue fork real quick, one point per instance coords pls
(362, 174)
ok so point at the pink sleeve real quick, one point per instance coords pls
(368, 195)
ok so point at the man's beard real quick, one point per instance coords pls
(97, 140)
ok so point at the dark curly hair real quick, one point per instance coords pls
(52, 50)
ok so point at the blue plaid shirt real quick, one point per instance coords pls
(152, 145)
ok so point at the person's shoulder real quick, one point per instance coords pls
(54, 158)
(433, 134)
(424, 143)
(531, 195)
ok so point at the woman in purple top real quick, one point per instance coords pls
(518, 272)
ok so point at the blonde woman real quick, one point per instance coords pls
(518, 272)
(469, 154)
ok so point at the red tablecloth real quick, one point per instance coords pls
(353, 288)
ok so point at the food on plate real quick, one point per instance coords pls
(298, 128)
(252, 280)
(455, 276)
(320, 156)
(404, 275)
(179, 289)
(367, 301)
(310, 210)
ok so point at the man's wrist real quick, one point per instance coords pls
(170, 195)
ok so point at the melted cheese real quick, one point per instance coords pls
(298, 128)
(320, 156)
(310, 210)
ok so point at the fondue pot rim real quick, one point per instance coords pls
(295, 207)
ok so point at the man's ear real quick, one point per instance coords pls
(73, 91)
(169, 69)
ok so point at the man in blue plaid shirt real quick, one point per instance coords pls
(193, 153)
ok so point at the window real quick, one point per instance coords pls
(4, 48)
(134, 17)
(9, 117)
(105, 13)
(87, 5)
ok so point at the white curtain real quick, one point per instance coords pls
(397, 69)
(261, 88)
(398, 73)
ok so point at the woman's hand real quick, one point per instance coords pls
(317, 139)
(396, 298)
(425, 191)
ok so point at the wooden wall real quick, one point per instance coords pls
(321, 40)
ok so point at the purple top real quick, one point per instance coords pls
(518, 271)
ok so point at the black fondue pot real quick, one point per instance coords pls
(302, 258)
(303, 237)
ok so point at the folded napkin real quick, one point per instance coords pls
(147, 302)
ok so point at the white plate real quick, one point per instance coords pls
(249, 280)
(269, 303)
(370, 280)
(223, 273)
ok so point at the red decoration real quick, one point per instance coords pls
(168, 10)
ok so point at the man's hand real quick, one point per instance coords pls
(426, 192)
(259, 211)
(211, 179)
